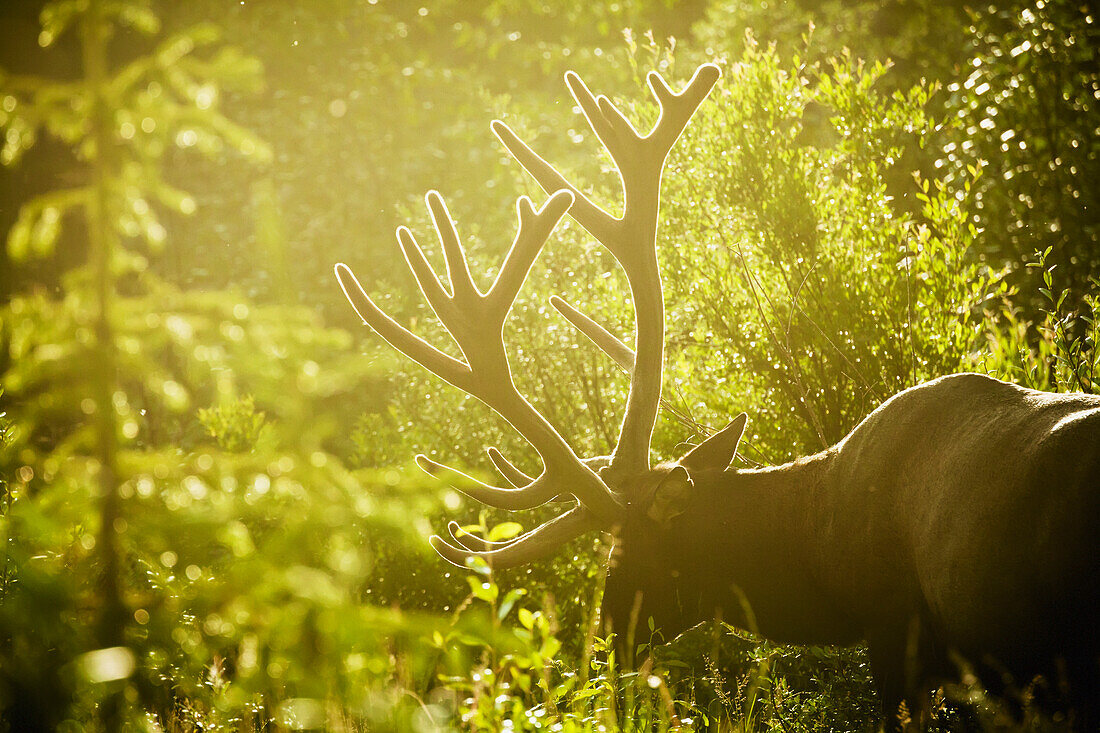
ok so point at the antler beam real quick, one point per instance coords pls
(631, 239)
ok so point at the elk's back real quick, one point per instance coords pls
(975, 503)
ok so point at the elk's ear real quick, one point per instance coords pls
(671, 496)
(717, 451)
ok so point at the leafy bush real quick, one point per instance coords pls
(1057, 353)
(1027, 105)
(822, 293)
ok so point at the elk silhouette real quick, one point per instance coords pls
(960, 519)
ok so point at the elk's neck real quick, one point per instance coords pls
(750, 539)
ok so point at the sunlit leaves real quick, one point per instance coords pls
(1027, 106)
(38, 225)
(243, 546)
(236, 424)
(1057, 352)
(169, 98)
(57, 17)
(825, 290)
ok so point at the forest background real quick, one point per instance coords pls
(209, 510)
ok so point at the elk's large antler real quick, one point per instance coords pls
(476, 322)
(631, 239)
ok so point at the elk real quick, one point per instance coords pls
(959, 520)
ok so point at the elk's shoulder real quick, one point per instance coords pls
(933, 407)
(962, 409)
(970, 386)
(969, 383)
(944, 395)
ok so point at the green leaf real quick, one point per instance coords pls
(509, 601)
(484, 590)
(38, 225)
(138, 16)
(505, 531)
(19, 239)
(56, 18)
(550, 647)
(526, 618)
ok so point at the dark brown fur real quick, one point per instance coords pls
(962, 517)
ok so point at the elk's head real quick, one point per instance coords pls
(654, 566)
(621, 492)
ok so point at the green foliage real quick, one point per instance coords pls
(1027, 104)
(1057, 353)
(1074, 350)
(235, 425)
(529, 687)
(209, 516)
(166, 100)
(205, 517)
(826, 294)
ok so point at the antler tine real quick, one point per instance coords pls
(630, 239)
(525, 496)
(442, 365)
(595, 220)
(533, 229)
(458, 271)
(613, 130)
(505, 468)
(638, 158)
(583, 483)
(475, 320)
(425, 276)
(677, 109)
(470, 541)
(477, 544)
(533, 545)
(608, 343)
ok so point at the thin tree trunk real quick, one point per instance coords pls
(103, 242)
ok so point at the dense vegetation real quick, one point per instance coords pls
(209, 512)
